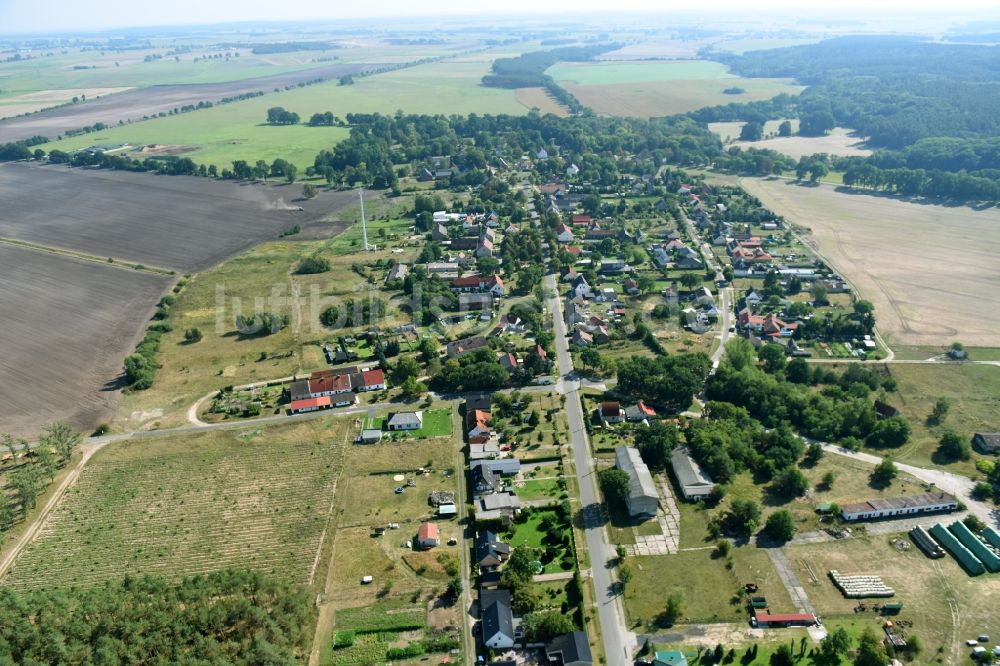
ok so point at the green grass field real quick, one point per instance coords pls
(973, 392)
(236, 131)
(255, 497)
(708, 588)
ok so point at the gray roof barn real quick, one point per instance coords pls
(693, 481)
(643, 500)
(987, 442)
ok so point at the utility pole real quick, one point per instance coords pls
(364, 227)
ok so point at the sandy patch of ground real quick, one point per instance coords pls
(931, 271)
(837, 142)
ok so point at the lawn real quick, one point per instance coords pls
(258, 497)
(539, 489)
(236, 131)
(529, 532)
(973, 392)
(437, 423)
(709, 589)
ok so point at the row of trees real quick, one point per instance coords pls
(31, 468)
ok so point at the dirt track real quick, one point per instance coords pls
(134, 104)
(177, 222)
(930, 270)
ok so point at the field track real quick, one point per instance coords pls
(131, 106)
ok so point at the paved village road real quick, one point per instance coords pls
(619, 642)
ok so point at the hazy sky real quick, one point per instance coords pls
(46, 15)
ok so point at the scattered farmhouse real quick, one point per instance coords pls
(405, 421)
(611, 412)
(485, 481)
(497, 506)
(428, 535)
(639, 412)
(491, 284)
(499, 466)
(397, 272)
(458, 348)
(643, 500)
(477, 426)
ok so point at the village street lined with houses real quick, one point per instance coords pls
(577, 343)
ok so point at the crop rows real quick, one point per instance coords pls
(261, 505)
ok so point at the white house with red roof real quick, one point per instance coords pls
(564, 234)
(774, 327)
(477, 426)
(479, 283)
(372, 380)
(310, 405)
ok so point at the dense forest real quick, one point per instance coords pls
(231, 617)
(929, 108)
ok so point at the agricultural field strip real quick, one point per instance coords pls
(104, 261)
(135, 104)
(180, 222)
(73, 534)
(872, 240)
(63, 350)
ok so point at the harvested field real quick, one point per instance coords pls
(67, 325)
(133, 105)
(649, 89)
(667, 49)
(181, 223)
(539, 98)
(930, 270)
(837, 142)
(187, 504)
